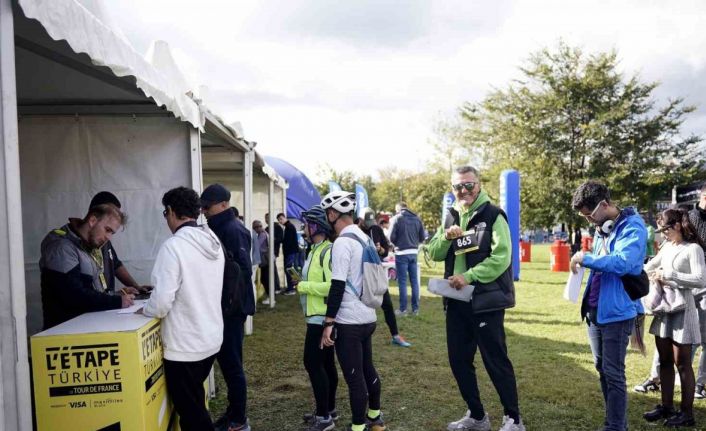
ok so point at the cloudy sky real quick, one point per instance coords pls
(359, 84)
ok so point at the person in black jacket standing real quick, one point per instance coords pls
(236, 240)
(368, 225)
(290, 248)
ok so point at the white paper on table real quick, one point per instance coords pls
(442, 287)
(573, 285)
(133, 308)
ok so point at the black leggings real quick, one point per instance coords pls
(389, 311)
(321, 366)
(355, 354)
(670, 354)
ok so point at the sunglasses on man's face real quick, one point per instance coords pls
(460, 186)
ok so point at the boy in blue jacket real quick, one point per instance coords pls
(619, 249)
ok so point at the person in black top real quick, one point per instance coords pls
(279, 237)
(113, 267)
(236, 240)
(290, 248)
(368, 225)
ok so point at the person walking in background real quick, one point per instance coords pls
(188, 281)
(697, 217)
(290, 249)
(407, 232)
(484, 260)
(367, 224)
(313, 290)
(606, 306)
(676, 272)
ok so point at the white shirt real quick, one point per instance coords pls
(347, 264)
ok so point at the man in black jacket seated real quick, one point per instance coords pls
(72, 264)
(236, 240)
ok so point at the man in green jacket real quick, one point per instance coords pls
(475, 245)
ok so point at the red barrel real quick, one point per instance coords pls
(586, 243)
(525, 251)
(559, 256)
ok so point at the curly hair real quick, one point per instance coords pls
(589, 195)
(183, 201)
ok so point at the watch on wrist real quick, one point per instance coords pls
(327, 324)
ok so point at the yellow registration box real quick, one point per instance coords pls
(101, 371)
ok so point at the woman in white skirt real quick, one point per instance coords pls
(676, 271)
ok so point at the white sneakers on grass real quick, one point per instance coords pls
(467, 423)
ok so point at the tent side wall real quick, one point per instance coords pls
(65, 160)
(15, 402)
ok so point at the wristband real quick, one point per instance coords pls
(327, 324)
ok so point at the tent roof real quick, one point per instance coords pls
(301, 194)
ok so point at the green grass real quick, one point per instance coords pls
(558, 385)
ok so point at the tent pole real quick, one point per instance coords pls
(247, 216)
(271, 233)
(15, 400)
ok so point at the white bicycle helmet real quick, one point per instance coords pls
(341, 201)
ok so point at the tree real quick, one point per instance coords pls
(573, 117)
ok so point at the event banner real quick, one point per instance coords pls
(361, 199)
(101, 371)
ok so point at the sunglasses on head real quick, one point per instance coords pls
(469, 186)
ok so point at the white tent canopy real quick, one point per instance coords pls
(82, 112)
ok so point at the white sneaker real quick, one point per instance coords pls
(266, 301)
(467, 423)
(510, 425)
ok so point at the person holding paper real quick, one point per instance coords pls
(475, 245)
(607, 308)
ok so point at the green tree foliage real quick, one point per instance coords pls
(572, 117)
(422, 191)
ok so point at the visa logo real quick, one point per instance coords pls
(77, 404)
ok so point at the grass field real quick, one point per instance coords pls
(558, 385)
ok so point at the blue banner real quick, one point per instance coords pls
(361, 199)
(510, 203)
(333, 187)
(447, 203)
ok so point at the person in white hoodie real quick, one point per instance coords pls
(188, 281)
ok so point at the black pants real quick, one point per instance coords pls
(465, 333)
(321, 366)
(355, 354)
(389, 311)
(185, 387)
(230, 359)
(265, 278)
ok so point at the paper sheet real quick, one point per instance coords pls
(442, 287)
(133, 308)
(573, 285)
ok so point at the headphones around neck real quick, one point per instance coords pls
(607, 227)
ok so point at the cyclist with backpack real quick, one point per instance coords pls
(314, 288)
(357, 287)
(236, 240)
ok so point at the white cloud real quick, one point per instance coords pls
(359, 85)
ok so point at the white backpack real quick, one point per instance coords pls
(374, 275)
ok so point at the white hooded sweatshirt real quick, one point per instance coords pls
(188, 281)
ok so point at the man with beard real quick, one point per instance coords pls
(73, 281)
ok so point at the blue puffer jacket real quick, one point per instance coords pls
(626, 254)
